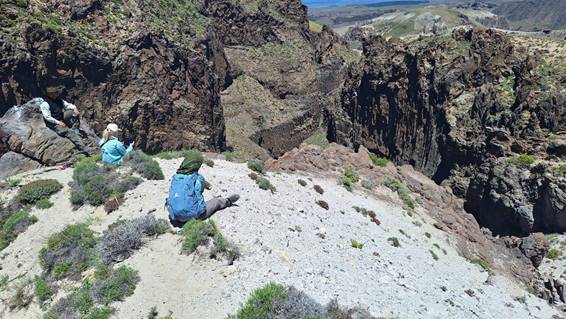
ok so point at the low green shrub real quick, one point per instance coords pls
(265, 184)
(256, 165)
(14, 225)
(522, 160)
(13, 182)
(367, 184)
(228, 156)
(44, 203)
(41, 189)
(394, 241)
(322, 204)
(349, 177)
(277, 301)
(553, 253)
(205, 232)
(94, 184)
(116, 286)
(68, 253)
(409, 203)
(356, 244)
(144, 165)
(42, 290)
(378, 161)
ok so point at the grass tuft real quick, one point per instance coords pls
(349, 177)
(256, 165)
(523, 160)
(265, 184)
(378, 161)
(205, 232)
(394, 241)
(356, 244)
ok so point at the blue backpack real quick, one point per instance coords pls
(183, 202)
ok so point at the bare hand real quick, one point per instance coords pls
(132, 144)
(77, 113)
(62, 124)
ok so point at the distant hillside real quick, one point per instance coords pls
(531, 15)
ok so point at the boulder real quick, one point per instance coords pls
(28, 143)
(535, 247)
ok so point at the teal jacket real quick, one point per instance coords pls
(113, 151)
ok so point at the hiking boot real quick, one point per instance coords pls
(232, 199)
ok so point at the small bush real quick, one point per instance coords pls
(322, 204)
(409, 203)
(42, 290)
(356, 244)
(118, 242)
(68, 253)
(277, 301)
(265, 184)
(228, 156)
(302, 182)
(118, 285)
(13, 182)
(318, 189)
(33, 192)
(427, 234)
(349, 177)
(204, 232)
(14, 225)
(553, 253)
(44, 203)
(483, 264)
(94, 184)
(378, 161)
(434, 255)
(256, 165)
(144, 165)
(394, 241)
(522, 160)
(253, 176)
(367, 184)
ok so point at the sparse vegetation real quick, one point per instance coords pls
(560, 171)
(394, 241)
(144, 165)
(318, 189)
(115, 287)
(203, 233)
(553, 253)
(256, 165)
(229, 156)
(434, 255)
(349, 177)
(265, 184)
(302, 182)
(319, 138)
(367, 184)
(41, 189)
(322, 204)
(315, 27)
(378, 161)
(44, 203)
(13, 182)
(22, 296)
(42, 290)
(94, 184)
(524, 160)
(356, 244)
(277, 301)
(484, 264)
(12, 225)
(68, 253)
(409, 203)
(121, 238)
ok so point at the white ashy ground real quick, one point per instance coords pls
(404, 282)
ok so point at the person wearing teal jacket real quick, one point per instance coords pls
(112, 150)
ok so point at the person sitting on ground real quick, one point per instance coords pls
(62, 116)
(185, 200)
(111, 149)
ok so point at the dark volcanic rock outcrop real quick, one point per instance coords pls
(452, 107)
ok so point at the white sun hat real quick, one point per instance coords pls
(113, 127)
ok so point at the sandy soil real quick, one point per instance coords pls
(280, 236)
